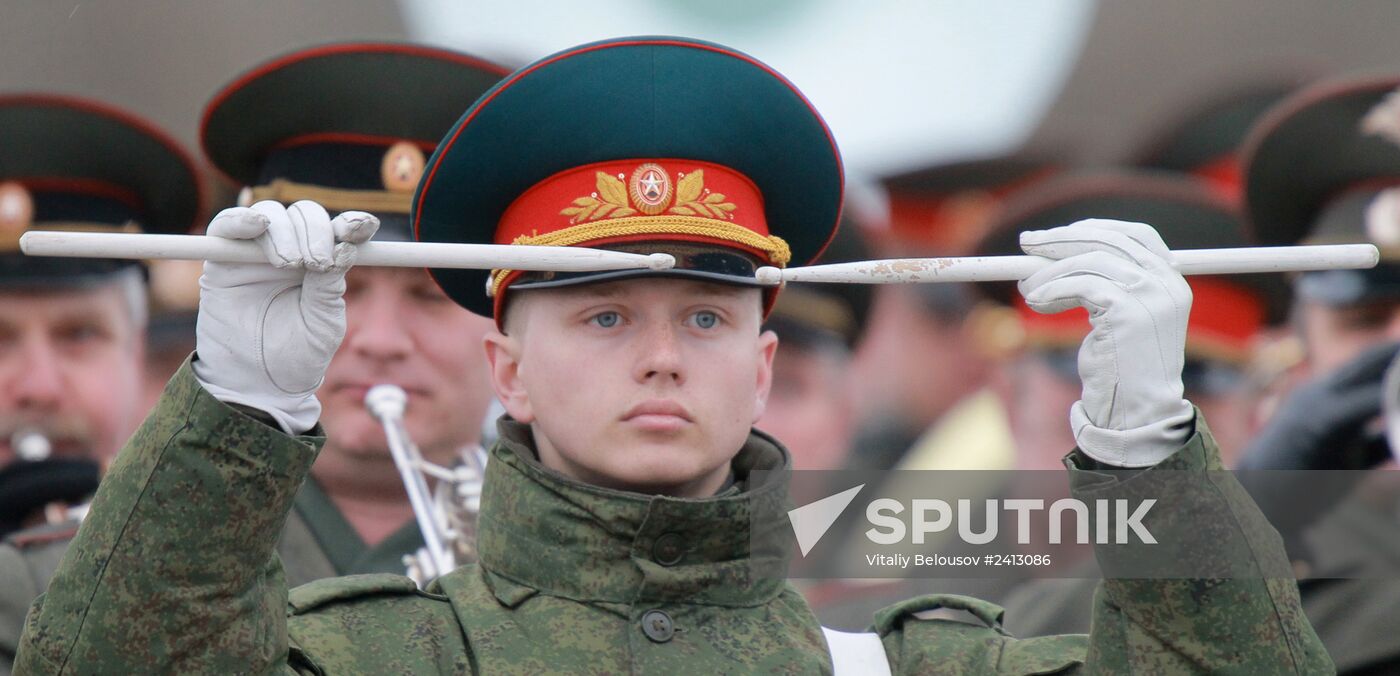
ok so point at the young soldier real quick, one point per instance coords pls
(72, 330)
(615, 527)
(356, 152)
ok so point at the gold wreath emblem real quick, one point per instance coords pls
(610, 201)
(650, 192)
(692, 199)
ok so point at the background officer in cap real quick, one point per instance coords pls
(1205, 141)
(379, 111)
(812, 405)
(921, 379)
(1323, 166)
(617, 522)
(72, 330)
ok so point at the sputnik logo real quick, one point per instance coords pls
(811, 521)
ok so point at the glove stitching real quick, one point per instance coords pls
(259, 343)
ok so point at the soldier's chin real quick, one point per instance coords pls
(659, 468)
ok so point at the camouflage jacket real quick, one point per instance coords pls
(174, 571)
(316, 543)
(1350, 595)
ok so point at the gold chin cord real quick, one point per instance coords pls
(447, 515)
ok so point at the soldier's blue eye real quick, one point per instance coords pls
(706, 319)
(607, 320)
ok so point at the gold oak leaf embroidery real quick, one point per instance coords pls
(690, 201)
(609, 202)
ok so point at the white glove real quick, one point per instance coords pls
(1131, 412)
(266, 332)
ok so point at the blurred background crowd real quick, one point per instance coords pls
(1233, 123)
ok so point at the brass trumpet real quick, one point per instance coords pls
(446, 516)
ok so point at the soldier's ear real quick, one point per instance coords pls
(503, 358)
(767, 347)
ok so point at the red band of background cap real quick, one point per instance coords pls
(1224, 177)
(344, 138)
(947, 222)
(1225, 317)
(80, 186)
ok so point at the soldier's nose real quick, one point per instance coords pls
(661, 355)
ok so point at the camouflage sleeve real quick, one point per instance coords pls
(173, 569)
(921, 636)
(1248, 622)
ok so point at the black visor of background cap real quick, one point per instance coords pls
(822, 314)
(1314, 166)
(349, 125)
(1211, 131)
(640, 100)
(944, 209)
(1227, 311)
(73, 164)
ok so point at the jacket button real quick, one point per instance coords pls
(657, 626)
(667, 549)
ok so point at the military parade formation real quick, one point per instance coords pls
(600, 386)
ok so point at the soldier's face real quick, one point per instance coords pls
(70, 368)
(647, 385)
(402, 329)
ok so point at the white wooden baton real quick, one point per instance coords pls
(388, 254)
(1014, 268)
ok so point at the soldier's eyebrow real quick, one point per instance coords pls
(597, 290)
(727, 290)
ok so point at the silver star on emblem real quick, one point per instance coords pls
(651, 185)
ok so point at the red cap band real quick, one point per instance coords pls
(640, 200)
(1225, 317)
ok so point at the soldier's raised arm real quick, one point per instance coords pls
(1132, 416)
(173, 570)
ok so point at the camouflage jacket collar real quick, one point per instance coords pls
(553, 535)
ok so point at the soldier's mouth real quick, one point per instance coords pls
(659, 415)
